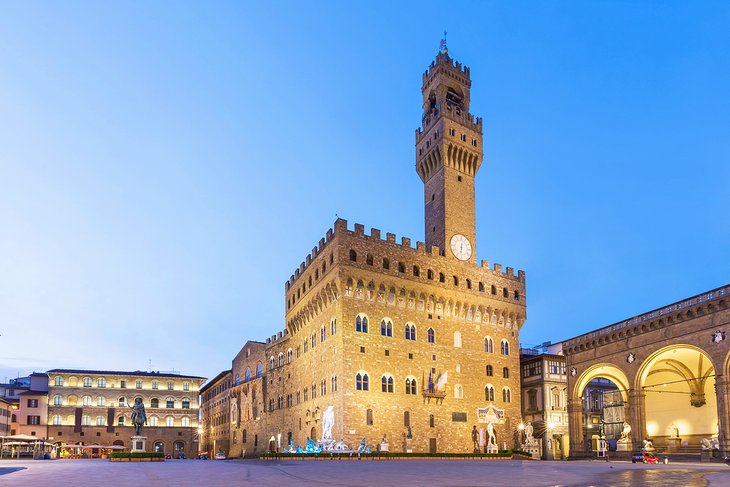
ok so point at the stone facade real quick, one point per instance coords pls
(215, 411)
(93, 407)
(430, 310)
(670, 367)
(544, 400)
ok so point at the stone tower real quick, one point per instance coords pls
(448, 156)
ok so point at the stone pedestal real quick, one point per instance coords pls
(492, 448)
(139, 443)
(673, 444)
(623, 446)
(384, 446)
(533, 448)
(409, 445)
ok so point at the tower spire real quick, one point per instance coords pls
(442, 46)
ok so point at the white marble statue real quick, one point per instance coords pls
(625, 434)
(647, 445)
(492, 439)
(710, 444)
(529, 430)
(328, 421)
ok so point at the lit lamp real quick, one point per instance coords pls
(521, 427)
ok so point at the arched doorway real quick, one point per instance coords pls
(313, 434)
(159, 447)
(178, 449)
(599, 405)
(680, 404)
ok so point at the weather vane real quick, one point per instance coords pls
(443, 47)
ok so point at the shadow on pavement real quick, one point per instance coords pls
(5, 470)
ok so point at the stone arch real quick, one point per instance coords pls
(604, 370)
(680, 403)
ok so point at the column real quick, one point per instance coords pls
(722, 393)
(637, 414)
(575, 422)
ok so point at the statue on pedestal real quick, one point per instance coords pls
(625, 434)
(139, 417)
(475, 438)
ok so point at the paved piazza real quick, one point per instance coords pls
(181, 473)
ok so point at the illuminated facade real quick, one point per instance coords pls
(669, 368)
(371, 323)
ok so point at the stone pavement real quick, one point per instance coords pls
(231, 473)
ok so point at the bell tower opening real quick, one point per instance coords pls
(448, 156)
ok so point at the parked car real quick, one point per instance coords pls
(644, 457)
(220, 456)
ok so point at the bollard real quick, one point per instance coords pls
(666, 460)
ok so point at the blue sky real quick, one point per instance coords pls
(164, 167)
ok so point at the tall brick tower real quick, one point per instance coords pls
(448, 156)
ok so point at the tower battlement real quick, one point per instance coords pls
(443, 60)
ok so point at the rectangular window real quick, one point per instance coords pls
(34, 420)
(32, 403)
(362, 349)
(139, 384)
(123, 384)
(155, 384)
(186, 386)
(170, 386)
(458, 417)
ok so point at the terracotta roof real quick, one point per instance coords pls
(139, 373)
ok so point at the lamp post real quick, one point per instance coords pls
(521, 431)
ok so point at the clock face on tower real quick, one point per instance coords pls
(461, 247)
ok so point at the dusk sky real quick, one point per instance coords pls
(165, 166)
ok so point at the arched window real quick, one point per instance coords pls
(259, 369)
(289, 355)
(169, 421)
(411, 386)
(431, 336)
(458, 392)
(517, 295)
(57, 400)
(457, 339)
(494, 289)
(159, 447)
(57, 420)
(272, 362)
(429, 274)
(488, 345)
(505, 372)
(481, 287)
(369, 259)
(185, 421)
(361, 323)
(86, 401)
(170, 403)
(86, 420)
(100, 421)
(58, 380)
(468, 283)
(154, 402)
(281, 359)
(369, 417)
(504, 347)
(505, 292)
(101, 382)
(386, 328)
(489, 393)
(322, 333)
(178, 447)
(247, 374)
(386, 263)
(490, 371)
(456, 281)
(353, 255)
(87, 381)
(154, 421)
(416, 271)
(386, 383)
(362, 381)
(410, 331)
(101, 401)
(401, 267)
(506, 395)
(431, 421)
(120, 421)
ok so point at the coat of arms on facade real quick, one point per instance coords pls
(573, 371)
(631, 357)
(718, 336)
